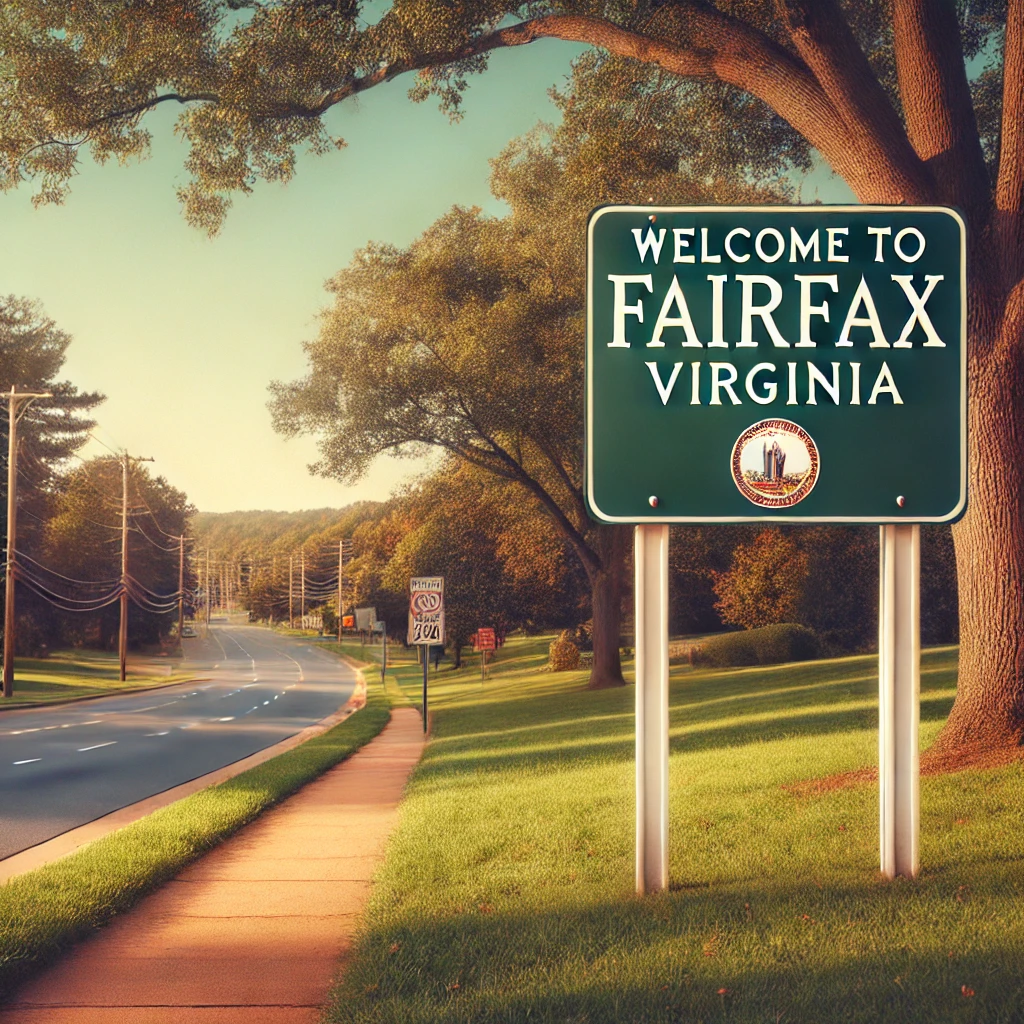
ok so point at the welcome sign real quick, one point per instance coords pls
(776, 363)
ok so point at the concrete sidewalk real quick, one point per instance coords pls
(253, 931)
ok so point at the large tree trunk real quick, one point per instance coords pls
(607, 588)
(987, 719)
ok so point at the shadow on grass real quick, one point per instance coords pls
(545, 729)
(792, 953)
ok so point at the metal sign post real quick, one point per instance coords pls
(426, 621)
(899, 698)
(650, 561)
(799, 364)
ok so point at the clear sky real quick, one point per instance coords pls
(183, 333)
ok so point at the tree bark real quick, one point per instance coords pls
(988, 713)
(607, 588)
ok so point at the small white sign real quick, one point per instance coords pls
(426, 610)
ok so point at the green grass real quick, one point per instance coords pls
(507, 891)
(44, 911)
(69, 674)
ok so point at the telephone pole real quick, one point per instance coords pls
(18, 401)
(291, 590)
(302, 600)
(209, 591)
(341, 582)
(181, 586)
(122, 645)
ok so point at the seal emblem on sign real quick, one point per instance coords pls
(775, 463)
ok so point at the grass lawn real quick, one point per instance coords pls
(66, 674)
(507, 891)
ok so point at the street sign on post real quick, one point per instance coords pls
(484, 640)
(777, 364)
(426, 621)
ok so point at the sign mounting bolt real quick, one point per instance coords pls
(652, 218)
(653, 501)
(901, 501)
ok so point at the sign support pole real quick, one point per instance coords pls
(426, 659)
(650, 561)
(899, 697)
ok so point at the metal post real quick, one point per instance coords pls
(383, 653)
(650, 560)
(899, 697)
(426, 658)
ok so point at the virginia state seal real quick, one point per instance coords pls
(775, 463)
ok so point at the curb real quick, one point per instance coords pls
(74, 839)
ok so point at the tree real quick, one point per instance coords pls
(50, 431)
(764, 584)
(467, 343)
(83, 537)
(879, 88)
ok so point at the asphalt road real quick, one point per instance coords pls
(64, 766)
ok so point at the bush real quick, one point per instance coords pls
(583, 636)
(769, 645)
(563, 654)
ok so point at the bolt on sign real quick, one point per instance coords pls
(426, 610)
(776, 363)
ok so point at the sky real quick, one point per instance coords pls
(183, 333)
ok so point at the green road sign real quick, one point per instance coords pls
(776, 363)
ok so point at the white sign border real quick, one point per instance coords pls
(603, 517)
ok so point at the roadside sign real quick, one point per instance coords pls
(365, 618)
(348, 621)
(776, 364)
(485, 639)
(426, 610)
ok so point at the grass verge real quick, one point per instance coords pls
(44, 911)
(66, 675)
(507, 891)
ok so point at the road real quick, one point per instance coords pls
(64, 766)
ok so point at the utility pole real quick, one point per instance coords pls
(123, 632)
(291, 590)
(181, 586)
(302, 600)
(209, 590)
(341, 582)
(15, 400)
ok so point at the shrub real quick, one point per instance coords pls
(765, 583)
(583, 636)
(769, 645)
(563, 654)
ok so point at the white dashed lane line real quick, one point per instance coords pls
(164, 733)
(96, 746)
(28, 760)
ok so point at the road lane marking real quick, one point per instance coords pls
(230, 718)
(96, 746)
(28, 760)
(164, 733)
(266, 702)
(95, 721)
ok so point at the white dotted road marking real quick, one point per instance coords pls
(28, 760)
(164, 733)
(96, 746)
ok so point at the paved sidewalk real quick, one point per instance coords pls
(253, 931)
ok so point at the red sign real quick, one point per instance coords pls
(348, 621)
(485, 639)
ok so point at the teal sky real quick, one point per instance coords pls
(183, 333)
